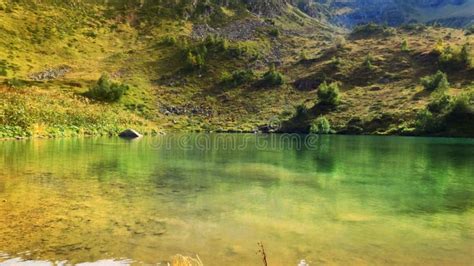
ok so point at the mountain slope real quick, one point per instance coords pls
(207, 66)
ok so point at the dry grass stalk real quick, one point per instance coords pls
(180, 260)
(261, 251)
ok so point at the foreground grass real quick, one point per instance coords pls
(180, 260)
(34, 112)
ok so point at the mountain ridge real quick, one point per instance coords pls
(397, 12)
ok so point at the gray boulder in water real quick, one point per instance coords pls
(130, 134)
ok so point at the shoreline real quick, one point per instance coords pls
(163, 133)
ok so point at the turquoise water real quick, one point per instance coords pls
(334, 200)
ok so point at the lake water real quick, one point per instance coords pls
(330, 200)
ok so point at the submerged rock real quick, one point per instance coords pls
(130, 134)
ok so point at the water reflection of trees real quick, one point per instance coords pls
(407, 174)
(413, 175)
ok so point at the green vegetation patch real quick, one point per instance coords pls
(328, 94)
(237, 78)
(106, 90)
(320, 126)
(52, 113)
(438, 81)
(447, 113)
(272, 78)
(372, 29)
(453, 57)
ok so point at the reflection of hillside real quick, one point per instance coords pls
(79, 199)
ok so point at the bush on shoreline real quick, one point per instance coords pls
(320, 126)
(443, 111)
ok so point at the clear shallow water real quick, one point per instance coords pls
(344, 200)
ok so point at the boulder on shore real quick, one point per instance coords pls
(130, 134)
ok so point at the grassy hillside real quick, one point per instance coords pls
(379, 72)
(180, 76)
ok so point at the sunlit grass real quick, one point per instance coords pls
(180, 260)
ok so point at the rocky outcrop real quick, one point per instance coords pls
(51, 73)
(130, 134)
(187, 109)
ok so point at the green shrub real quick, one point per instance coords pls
(196, 55)
(5, 66)
(438, 81)
(405, 47)
(367, 64)
(440, 104)
(446, 104)
(448, 59)
(236, 51)
(372, 29)
(15, 83)
(328, 94)
(274, 32)
(169, 40)
(107, 91)
(15, 114)
(237, 77)
(216, 43)
(91, 34)
(336, 62)
(272, 78)
(465, 55)
(439, 47)
(303, 55)
(470, 30)
(454, 58)
(339, 43)
(463, 104)
(301, 113)
(320, 126)
(196, 59)
(427, 122)
(443, 111)
(413, 26)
